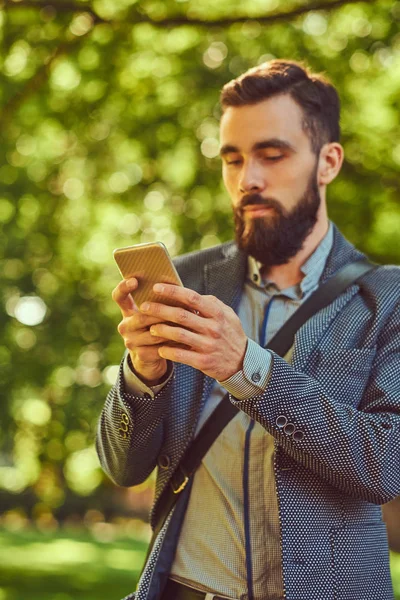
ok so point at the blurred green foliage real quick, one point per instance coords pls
(110, 137)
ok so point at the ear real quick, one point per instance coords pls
(330, 162)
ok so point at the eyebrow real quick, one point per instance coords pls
(271, 143)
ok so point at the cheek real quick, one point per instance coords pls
(229, 180)
(294, 178)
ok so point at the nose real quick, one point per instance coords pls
(251, 178)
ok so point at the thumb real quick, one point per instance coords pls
(122, 296)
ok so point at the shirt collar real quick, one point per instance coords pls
(312, 268)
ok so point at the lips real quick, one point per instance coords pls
(257, 210)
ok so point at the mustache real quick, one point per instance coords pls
(256, 199)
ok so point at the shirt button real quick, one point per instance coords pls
(256, 377)
(147, 396)
(255, 277)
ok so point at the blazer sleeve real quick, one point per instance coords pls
(130, 432)
(353, 446)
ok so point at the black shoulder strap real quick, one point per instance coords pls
(225, 411)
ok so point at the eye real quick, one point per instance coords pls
(274, 158)
(232, 160)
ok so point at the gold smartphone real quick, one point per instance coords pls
(149, 263)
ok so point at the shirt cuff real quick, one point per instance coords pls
(252, 380)
(135, 386)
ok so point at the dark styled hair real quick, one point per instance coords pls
(316, 96)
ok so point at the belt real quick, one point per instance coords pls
(177, 591)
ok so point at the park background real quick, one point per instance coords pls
(109, 129)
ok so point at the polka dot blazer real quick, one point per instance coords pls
(342, 391)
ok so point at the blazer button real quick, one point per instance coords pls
(256, 377)
(281, 421)
(164, 461)
(289, 428)
(123, 433)
(125, 418)
(298, 435)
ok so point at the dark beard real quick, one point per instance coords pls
(274, 240)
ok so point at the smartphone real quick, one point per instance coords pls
(149, 263)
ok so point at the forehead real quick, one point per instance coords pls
(279, 117)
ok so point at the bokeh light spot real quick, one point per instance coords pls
(154, 200)
(81, 24)
(119, 182)
(130, 224)
(359, 61)
(110, 374)
(82, 471)
(64, 376)
(36, 411)
(215, 55)
(65, 76)
(17, 59)
(7, 210)
(25, 338)
(30, 310)
(210, 147)
(315, 24)
(26, 145)
(73, 188)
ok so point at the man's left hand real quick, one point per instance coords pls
(209, 333)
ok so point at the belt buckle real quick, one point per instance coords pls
(182, 486)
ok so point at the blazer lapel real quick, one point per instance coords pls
(309, 335)
(225, 278)
(312, 331)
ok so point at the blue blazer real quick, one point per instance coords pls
(342, 390)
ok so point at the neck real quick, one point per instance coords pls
(290, 274)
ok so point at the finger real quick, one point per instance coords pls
(139, 322)
(180, 355)
(180, 335)
(140, 338)
(122, 296)
(208, 306)
(148, 354)
(180, 316)
(145, 338)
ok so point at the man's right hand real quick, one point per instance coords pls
(134, 330)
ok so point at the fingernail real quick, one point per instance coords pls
(158, 288)
(153, 331)
(145, 306)
(131, 282)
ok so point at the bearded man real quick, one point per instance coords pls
(286, 502)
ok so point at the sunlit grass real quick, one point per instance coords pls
(67, 566)
(74, 565)
(395, 571)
